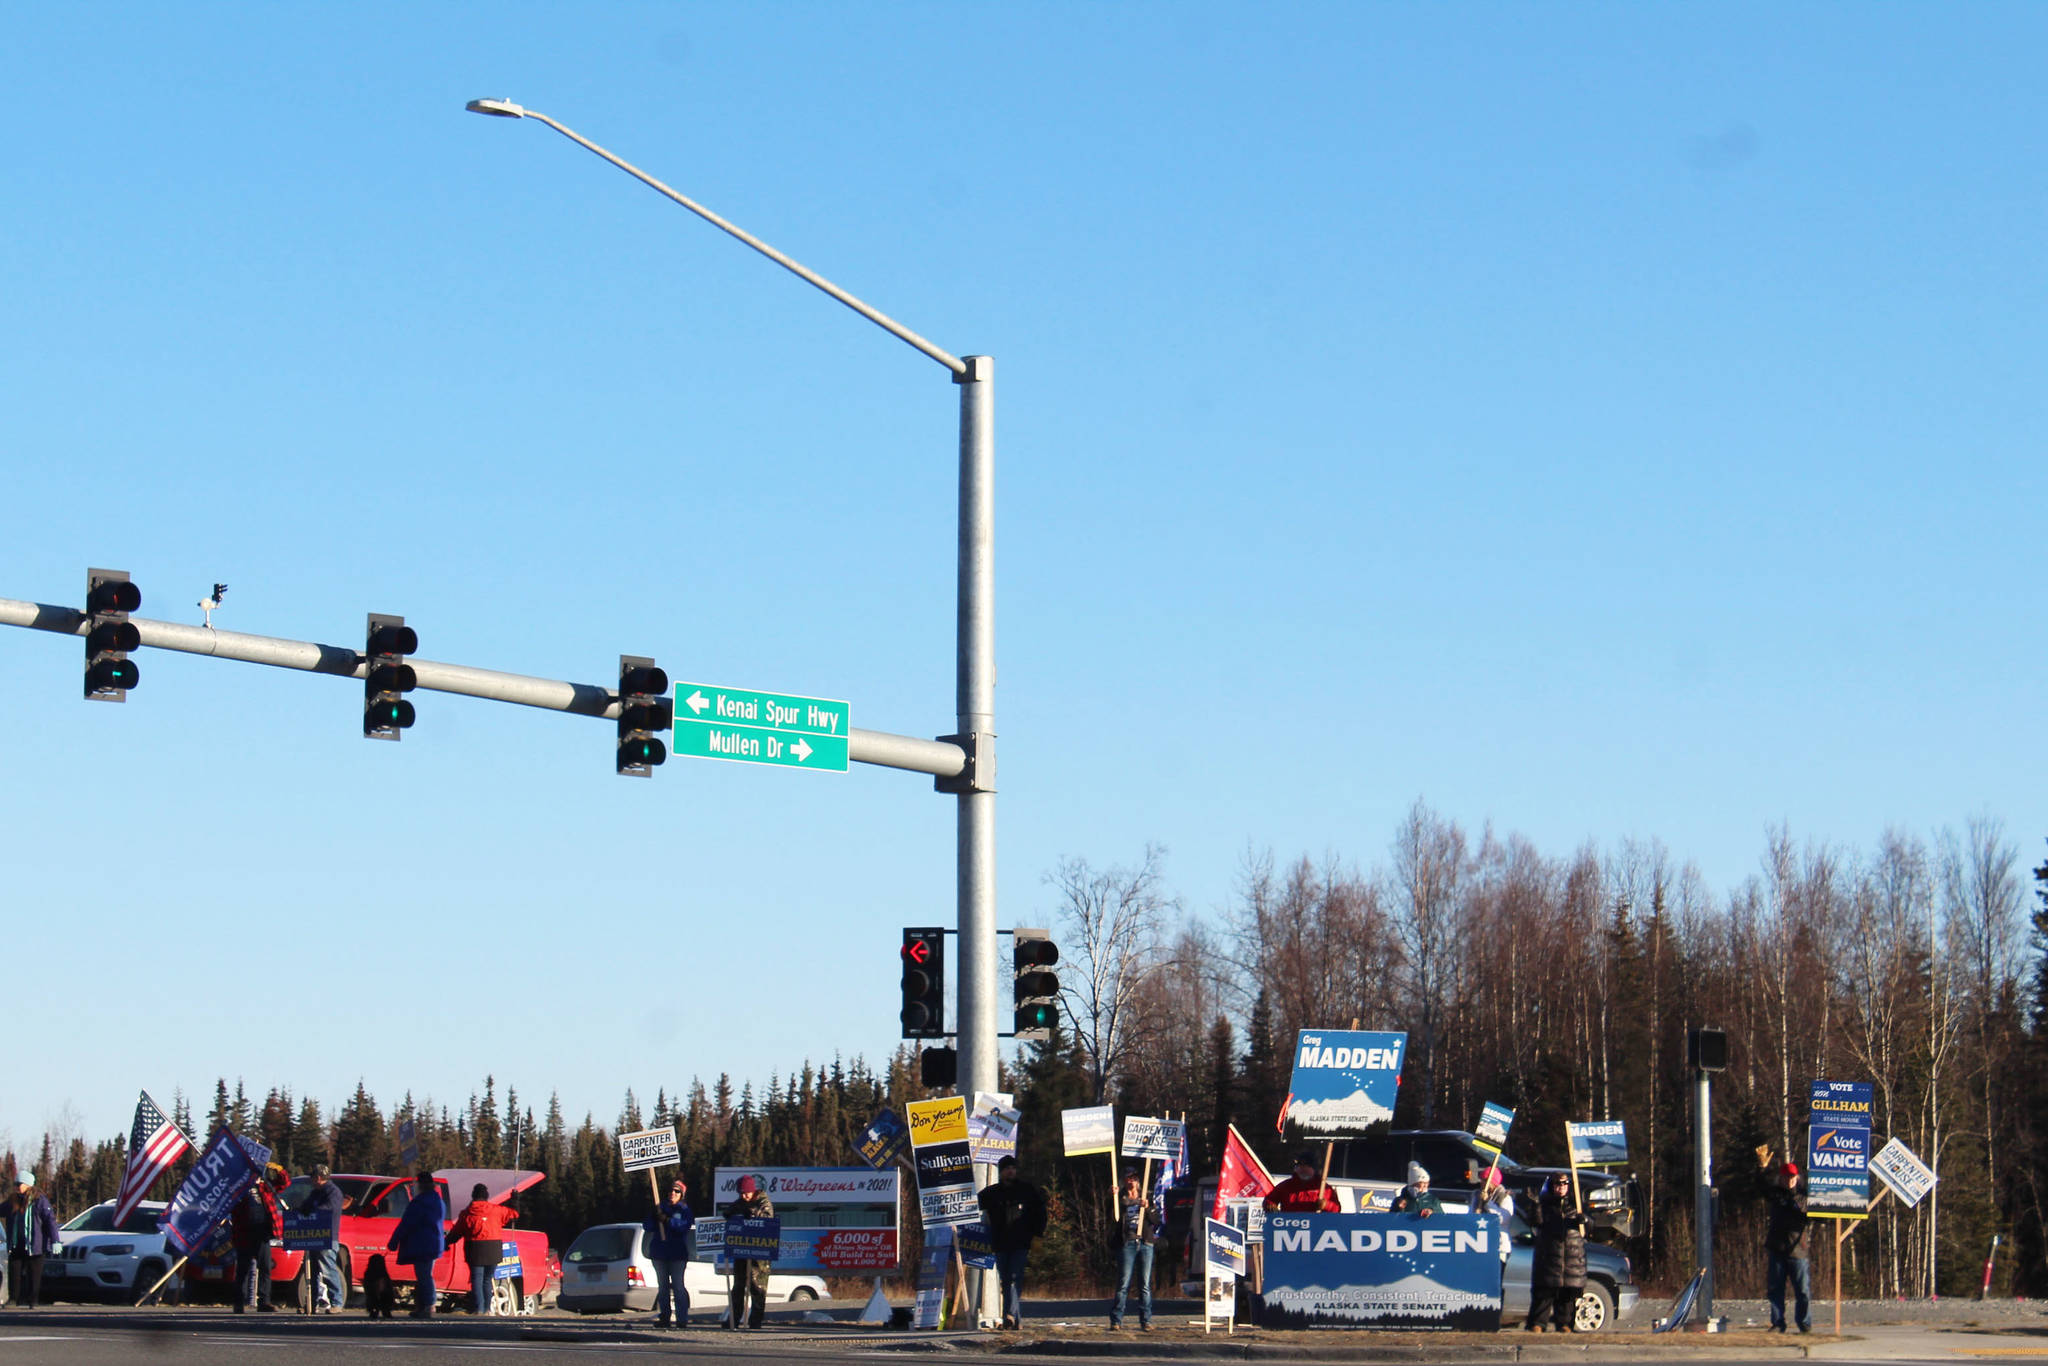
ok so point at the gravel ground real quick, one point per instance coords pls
(1948, 1312)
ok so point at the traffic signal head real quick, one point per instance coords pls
(387, 640)
(1037, 987)
(109, 635)
(643, 709)
(938, 1067)
(1707, 1049)
(924, 984)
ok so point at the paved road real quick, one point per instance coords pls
(124, 1337)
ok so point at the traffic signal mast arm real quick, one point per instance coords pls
(940, 758)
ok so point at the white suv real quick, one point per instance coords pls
(97, 1261)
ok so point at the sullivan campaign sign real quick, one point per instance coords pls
(1838, 1149)
(944, 1162)
(208, 1193)
(1344, 1081)
(1382, 1271)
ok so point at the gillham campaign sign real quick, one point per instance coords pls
(1382, 1271)
(1344, 1081)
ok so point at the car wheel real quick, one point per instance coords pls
(803, 1292)
(1595, 1309)
(146, 1277)
(506, 1296)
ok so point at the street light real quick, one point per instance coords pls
(974, 668)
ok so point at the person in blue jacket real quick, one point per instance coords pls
(31, 1235)
(420, 1239)
(671, 1238)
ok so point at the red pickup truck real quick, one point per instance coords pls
(370, 1215)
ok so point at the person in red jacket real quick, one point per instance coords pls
(478, 1228)
(1303, 1192)
(255, 1222)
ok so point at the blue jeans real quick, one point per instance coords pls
(481, 1279)
(1010, 1272)
(425, 1298)
(1796, 1270)
(1134, 1259)
(671, 1295)
(252, 1276)
(329, 1264)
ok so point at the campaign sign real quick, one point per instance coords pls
(312, 1231)
(208, 1193)
(1091, 1129)
(506, 1269)
(1382, 1271)
(931, 1276)
(1597, 1143)
(648, 1149)
(1225, 1248)
(883, 1142)
(976, 1248)
(1344, 1081)
(753, 1240)
(1838, 1149)
(1909, 1178)
(1160, 1138)
(992, 1127)
(1492, 1131)
(944, 1161)
(710, 1237)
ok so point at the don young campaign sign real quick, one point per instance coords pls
(1382, 1271)
(1344, 1081)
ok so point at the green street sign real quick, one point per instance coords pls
(746, 726)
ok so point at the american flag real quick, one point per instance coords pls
(153, 1146)
(1174, 1171)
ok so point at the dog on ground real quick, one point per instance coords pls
(380, 1296)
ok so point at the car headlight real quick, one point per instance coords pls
(115, 1249)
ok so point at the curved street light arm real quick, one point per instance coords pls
(873, 315)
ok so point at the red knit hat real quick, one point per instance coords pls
(1789, 1169)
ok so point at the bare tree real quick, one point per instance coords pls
(1427, 882)
(1114, 916)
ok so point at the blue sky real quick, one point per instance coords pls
(1602, 421)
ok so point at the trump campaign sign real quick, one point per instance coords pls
(1344, 1081)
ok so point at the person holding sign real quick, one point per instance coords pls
(1013, 1211)
(671, 1237)
(255, 1222)
(1557, 1275)
(1785, 1246)
(749, 1275)
(477, 1228)
(326, 1199)
(1137, 1230)
(1304, 1192)
(1416, 1197)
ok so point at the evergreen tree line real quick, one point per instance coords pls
(1562, 988)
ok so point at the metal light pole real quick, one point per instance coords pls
(974, 680)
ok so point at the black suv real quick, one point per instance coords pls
(1455, 1162)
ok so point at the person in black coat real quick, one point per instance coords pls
(1557, 1276)
(1013, 1211)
